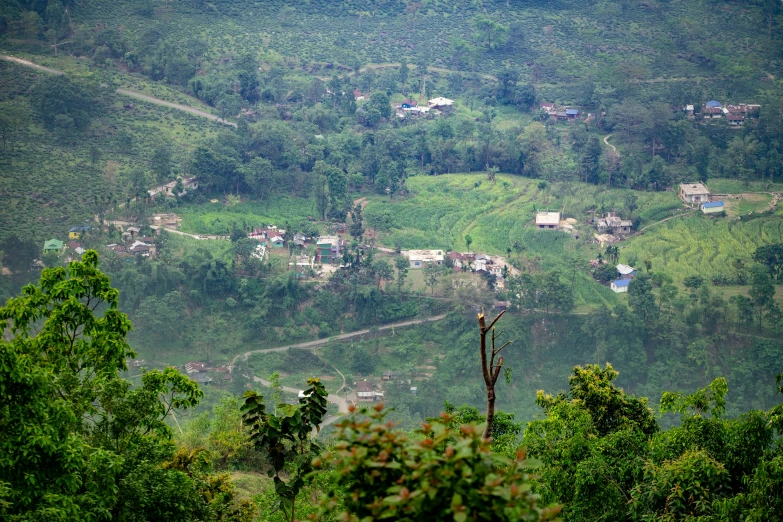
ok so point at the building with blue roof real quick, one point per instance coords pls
(620, 286)
(713, 103)
(572, 113)
(712, 207)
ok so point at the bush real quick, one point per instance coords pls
(446, 474)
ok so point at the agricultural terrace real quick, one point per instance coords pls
(226, 216)
(700, 245)
(440, 211)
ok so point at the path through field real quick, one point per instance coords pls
(125, 92)
(606, 142)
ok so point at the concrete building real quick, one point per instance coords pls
(548, 220)
(694, 193)
(419, 258)
(328, 249)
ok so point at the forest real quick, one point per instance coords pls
(211, 215)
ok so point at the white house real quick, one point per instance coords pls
(712, 207)
(694, 193)
(419, 258)
(365, 392)
(440, 103)
(547, 220)
(620, 286)
(626, 270)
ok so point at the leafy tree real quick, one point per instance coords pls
(161, 162)
(18, 254)
(490, 32)
(287, 439)
(402, 265)
(443, 474)
(762, 294)
(468, 241)
(771, 256)
(78, 442)
(432, 274)
(379, 101)
(641, 298)
(58, 95)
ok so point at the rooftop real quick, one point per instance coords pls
(713, 103)
(425, 255)
(548, 218)
(694, 188)
(625, 269)
(328, 240)
(622, 282)
(712, 204)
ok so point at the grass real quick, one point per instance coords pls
(219, 218)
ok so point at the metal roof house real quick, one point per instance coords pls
(713, 104)
(626, 270)
(419, 258)
(713, 207)
(620, 286)
(53, 246)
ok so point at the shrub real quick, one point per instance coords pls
(445, 474)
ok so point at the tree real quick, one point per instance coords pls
(444, 474)
(60, 96)
(468, 241)
(286, 437)
(78, 442)
(18, 255)
(432, 273)
(490, 368)
(641, 299)
(403, 74)
(489, 31)
(402, 265)
(771, 256)
(762, 294)
(161, 162)
(382, 270)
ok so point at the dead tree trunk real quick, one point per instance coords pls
(489, 368)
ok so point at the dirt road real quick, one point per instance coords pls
(177, 106)
(319, 342)
(606, 142)
(28, 63)
(125, 92)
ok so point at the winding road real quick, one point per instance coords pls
(606, 142)
(125, 92)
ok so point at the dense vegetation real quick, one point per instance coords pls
(310, 141)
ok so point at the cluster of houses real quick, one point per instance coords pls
(560, 112)
(169, 189)
(697, 194)
(627, 273)
(134, 244)
(613, 223)
(271, 236)
(200, 372)
(734, 114)
(57, 247)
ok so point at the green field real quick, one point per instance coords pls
(223, 218)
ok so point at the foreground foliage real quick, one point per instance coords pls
(77, 442)
(440, 473)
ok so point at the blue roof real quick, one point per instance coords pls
(712, 204)
(622, 282)
(82, 228)
(572, 112)
(713, 103)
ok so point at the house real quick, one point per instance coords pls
(691, 193)
(619, 227)
(626, 271)
(461, 260)
(689, 111)
(547, 107)
(300, 240)
(389, 375)
(712, 112)
(409, 104)
(276, 241)
(76, 232)
(76, 247)
(328, 249)
(736, 119)
(547, 220)
(620, 286)
(712, 207)
(440, 103)
(365, 392)
(572, 113)
(133, 231)
(713, 104)
(358, 96)
(195, 367)
(419, 258)
(201, 378)
(141, 248)
(561, 116)
(53, 246)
